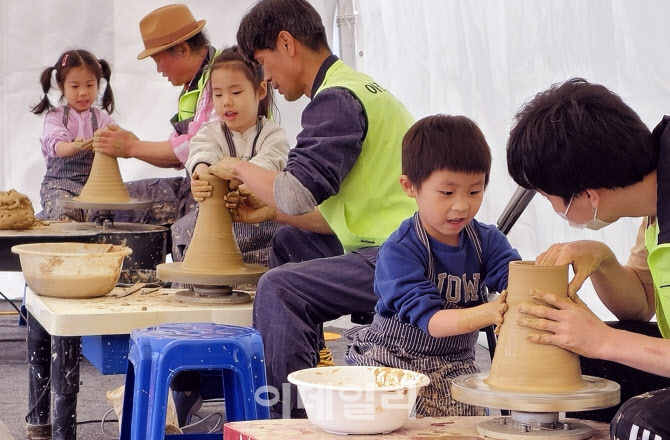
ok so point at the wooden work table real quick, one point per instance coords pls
(55, 327)
(428, 428)
(110, 315)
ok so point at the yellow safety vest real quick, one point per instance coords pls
(659, 265)
(371, 203)
(188, 99)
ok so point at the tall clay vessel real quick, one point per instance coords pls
(523, 366)
(213, 248)
(104, 184)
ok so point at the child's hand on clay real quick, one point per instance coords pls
(245, 207)
(232, 199)
(201, 189)
(81, 144)
(502, 307)
(239, 194)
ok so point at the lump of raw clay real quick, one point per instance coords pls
(16, 210)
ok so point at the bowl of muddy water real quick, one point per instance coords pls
(356, 399)
(71, 270)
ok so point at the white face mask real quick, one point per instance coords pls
(594, 224)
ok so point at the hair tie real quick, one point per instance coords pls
(62, 64)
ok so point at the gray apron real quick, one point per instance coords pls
(65, 177)
(389, 342)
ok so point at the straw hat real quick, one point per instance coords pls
(166, 27)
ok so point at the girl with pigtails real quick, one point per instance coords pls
(67, 137)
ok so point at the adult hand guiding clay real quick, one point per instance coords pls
(224, 170)
(114, 141)
(572, 325)
(245, 207)
(585, 256)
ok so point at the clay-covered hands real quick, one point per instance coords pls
(235, 196)
(502, 307)
(201, 189)
(223, 169)
(570, 323)
(83, 145)
(245, 207)
(585, 256)
(114, 141)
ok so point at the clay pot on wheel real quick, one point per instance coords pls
(524, 366)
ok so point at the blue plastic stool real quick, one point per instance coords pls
(157, 353)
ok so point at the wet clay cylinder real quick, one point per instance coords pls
(523, 366)
(213, 247)
(104, 183)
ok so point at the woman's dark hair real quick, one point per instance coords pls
(232, 58)
(444, 142)
(67, 61)
(261, 26)
(576, 136)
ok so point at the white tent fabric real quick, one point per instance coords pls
(482, 59)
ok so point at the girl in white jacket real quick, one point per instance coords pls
(243, 102)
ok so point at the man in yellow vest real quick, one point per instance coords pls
(594, 159)
(339, 193)
(179, 47)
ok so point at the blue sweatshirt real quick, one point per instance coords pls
(401, 281)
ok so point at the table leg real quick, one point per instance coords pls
(38, 425)
(65, 385)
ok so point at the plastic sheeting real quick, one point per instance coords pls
(481, 59)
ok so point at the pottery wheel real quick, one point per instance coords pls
(534, 426)
(105, 217)
(132, 204)
(596, 393)
(247, 274)
(211, 286)
(213, 295)
(535, 415)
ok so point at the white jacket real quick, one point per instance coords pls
(209, 145)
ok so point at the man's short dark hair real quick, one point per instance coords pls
(261, 26)
(577, 136)
(444, 142)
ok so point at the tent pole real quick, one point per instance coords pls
(347, 17)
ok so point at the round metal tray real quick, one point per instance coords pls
(250, 274)
(68, 202)
(596, 393)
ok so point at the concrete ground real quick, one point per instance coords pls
(92, 404)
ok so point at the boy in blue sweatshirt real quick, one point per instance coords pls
(431, 272)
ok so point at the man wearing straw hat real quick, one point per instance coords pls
(179, 47)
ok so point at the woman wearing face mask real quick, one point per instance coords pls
(604, 164)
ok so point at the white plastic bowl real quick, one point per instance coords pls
(71, 270)
(358, 400)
